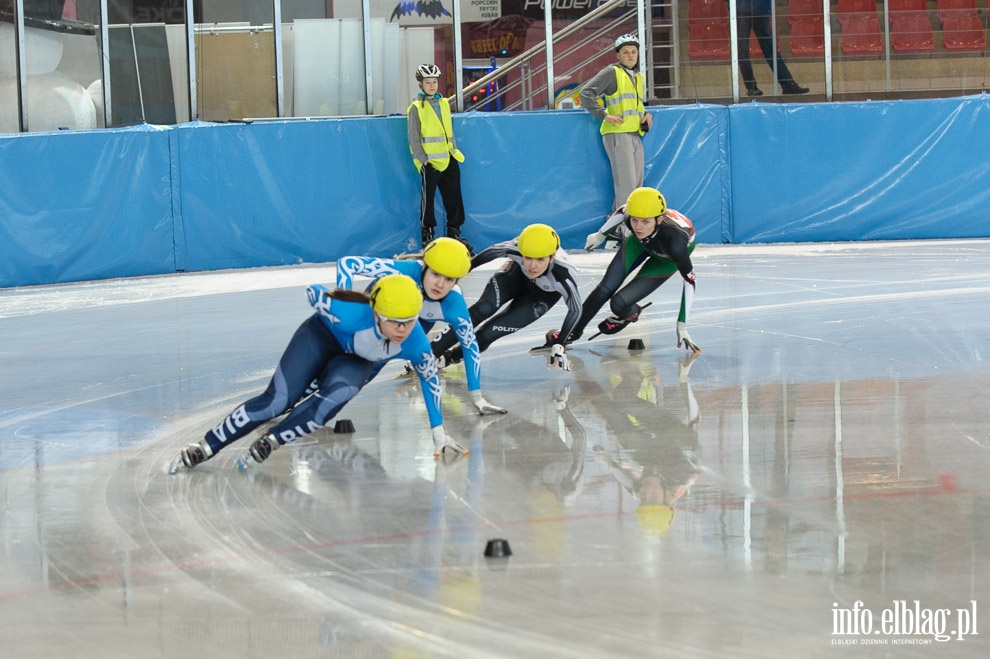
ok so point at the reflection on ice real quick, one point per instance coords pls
(828, 447)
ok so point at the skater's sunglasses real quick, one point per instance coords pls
(398, 322)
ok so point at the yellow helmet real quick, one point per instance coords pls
(396, 297)
(646, 202)
(447, 257)
(538, 241)
(655, 518)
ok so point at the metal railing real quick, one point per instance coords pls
(522, 63)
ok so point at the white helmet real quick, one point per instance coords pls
(427, 71)
(625, 40)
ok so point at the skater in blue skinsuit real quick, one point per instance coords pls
(342, 346)
(443, 262)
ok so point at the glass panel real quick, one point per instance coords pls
(146, 42)
(583, 49)
(660, 54)
(405, 35)
(325, 55)
(9, 122)
(581, 55)
(235, 60)
(703, 39)
(325, 62)
(795, 28)
(802, 34)
(858, 56)
(762, 67)
(61, 64)
(493, 35)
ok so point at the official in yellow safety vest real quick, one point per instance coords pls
(435, 154)
(623, 113)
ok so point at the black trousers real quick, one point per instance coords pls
(759, 25)
(449, 183)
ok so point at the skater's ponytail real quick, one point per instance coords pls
(345, 295)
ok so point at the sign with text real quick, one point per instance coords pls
(505, 37)
(568, 8)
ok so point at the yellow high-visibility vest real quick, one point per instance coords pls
(626, 102)
(434, 134)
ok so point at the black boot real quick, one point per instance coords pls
(752, 90)
(455, 233)
(427, 235)
(791, 87)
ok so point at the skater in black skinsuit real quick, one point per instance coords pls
(660, 244)
(536, 276)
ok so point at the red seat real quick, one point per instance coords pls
(708, 29)
(910, 27)
(807, 28)
(754, 46)
(962, 30)
(860, 27)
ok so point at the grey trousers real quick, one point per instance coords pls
(625, 153)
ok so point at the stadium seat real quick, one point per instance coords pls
(754, 46)
(962, 30)
(860, 27)
(708, 30)
(910, 27)
(807, 28)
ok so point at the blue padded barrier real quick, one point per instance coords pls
(860, 171)
(85, 205)
(200, 196)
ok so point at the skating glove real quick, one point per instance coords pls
(684, 339)
(558, 358)
(593, 241)
(442, 443)
(684, 366)
(483, 406)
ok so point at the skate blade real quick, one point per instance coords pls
(450, 453)
(546, 347)
(175, 465)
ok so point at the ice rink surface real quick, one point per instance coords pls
(814, 484)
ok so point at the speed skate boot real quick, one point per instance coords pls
(192, 455)
(455, 233)
(263, 447)
(196, 453)
(427, 235)
(450, 358)
(614, 324)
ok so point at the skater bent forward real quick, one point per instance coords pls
(660, 244)
(342, 347)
